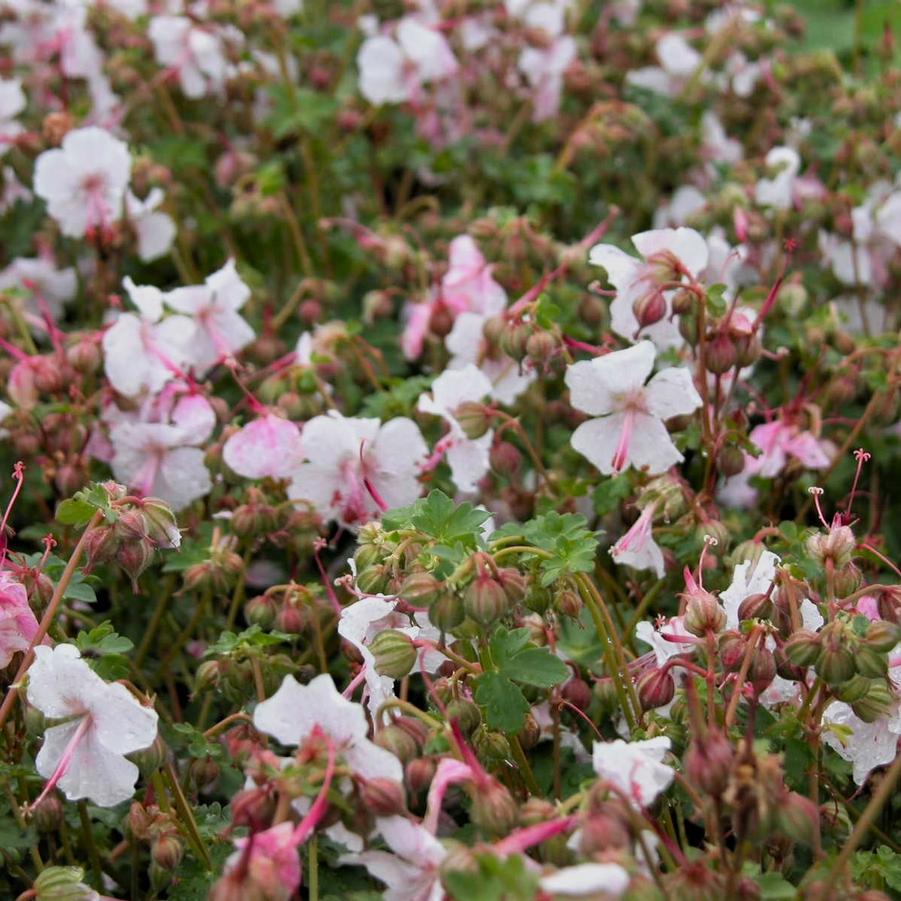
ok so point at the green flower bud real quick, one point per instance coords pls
(876, 703)
(394, 653)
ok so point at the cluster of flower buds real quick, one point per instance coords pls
(160, 831)
(219, 572)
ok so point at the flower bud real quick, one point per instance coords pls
(870, 663)
(491, 745)
(167, 850)
(134, 557)
(882, 635)
(49, 814)
(853, 690)
(373, 579)
(253, 807)
(485, 600)
(400, 743)
(835, 662)
(62, 884)
(762, 669)
(261, 611)
(836, 545)
(383, 797)
(798, 818)
(418, 774)
(683, 302)
(493, 809)
(203, 773)
(604, 831)
(466, 713)
(505, 458)
(148, 760)
(394, 653)
(101, 545)
(541, 347)
(656, 688)
(447, 611)
(703, 614)
(755, 606)
(803, 648)
(568, 603)
(513, 582)
(474, 418)
(650, 308)
(730, 461)
(708, 762)
(876, 703)
(367, 555)
(577, 692)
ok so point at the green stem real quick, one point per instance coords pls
(522, 762)
(313, 868)
(192, 833)
(93, 853)
(155, 620)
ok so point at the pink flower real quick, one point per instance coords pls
(18, 625)
(629, 429)
(357, 468)
(267, 447)
(468, 284)
(637, 547)
(196, 54)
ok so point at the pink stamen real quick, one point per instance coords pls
(815, 492)
(522, 839)
(367, 482)
(352, 687)
(19, 476)
(862, 457)
(441, 448)
(316, 812)
(65, 760)
(621, 455)
(318, 544)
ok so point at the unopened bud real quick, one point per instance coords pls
(383, 797)
(260, 611)
(656, 688)
(578, 693)
(649, 309)
(836, 660)
(49, 814)
(485, 600)
(755, 606)
(541, 347)
(882, 636)
(447, 611)
(837, 545)
(493, 809)
(466, 713)
(400, 743)
(708, 762)
(420, 588)
(167, 850)
(474, 418)
(394, 653)
(803, 648)
(134, 557)
(798, 818)
(875, 704)
(703, 614)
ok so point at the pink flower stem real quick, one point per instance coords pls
(317, 811)
(518, 841)
(330, 592)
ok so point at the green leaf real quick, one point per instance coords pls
(570, 541)
(78, 509)
(102, 640)
(521, 661)
(497, 879)
(440, 518)
(230, 643)
(504, 703)
(608, 495)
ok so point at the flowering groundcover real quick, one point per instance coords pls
(452, 451)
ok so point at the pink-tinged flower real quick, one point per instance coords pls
(393, 70)
(85, 755)
(671, 257)
(778, 441)
(214, 305)
(84, 182)
(608, 880)
(18, 625)
(750, 577)
(165, 459)
(268, 447)
(678, 62)
(411, 871)
(629, 430)
(467, 344)
(544, 68)
(269, 861)
(142, 351)
(637, 547)
(668, 640)
(357, 468)
(468, 284)
(778, 191)
(195, 54)
(718, 147)
(12, 102)
(46, 288)
(154, 230)
(467, 457)
(293, 713)
(635, 768)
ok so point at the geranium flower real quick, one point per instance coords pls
(671, 256)
(195, 54)
(295, 711)
(678, 62)
(267, 447)
(635, 768)
(609, 880)
(164, 459)
(467, 457)
(468, 346)
(84, 182)
(214, 305)
(393, 70)
(356, 468)
(778, 191)
(154, 230)
(18, 624)
(412, 871)
(47, 288)
(142, 351)
(12, 102)
(544, 68)
(84, 756)
(667, 640)
(637, 547)
(629, 430)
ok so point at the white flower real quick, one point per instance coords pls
(665, 641)
(196, 54)
(544, 68)
(607, 879)
(467, 457)
(468, 346)
(678, 62)
(411, 871)
(778, 191)
(267, 447)
(670, 256)
(84, 756)
(392, 71)
(47, 287)
(142, 351)
(635, 768)
(164, 460)
(214, 305)
(356, 467)
(629, 430)
(865, 745)
(637, 547)
(295, 710)
(12, 102)
(155, 231)
(84, 182)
